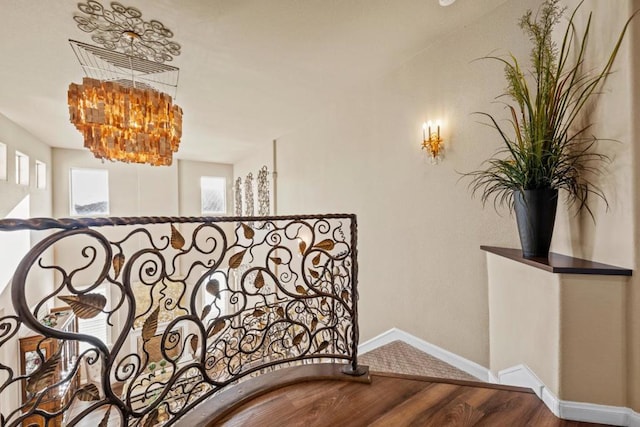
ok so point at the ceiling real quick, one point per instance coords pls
(250, 70)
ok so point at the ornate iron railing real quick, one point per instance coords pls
(191, 305)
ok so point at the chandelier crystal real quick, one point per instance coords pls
(127, 124)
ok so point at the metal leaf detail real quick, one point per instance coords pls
(301, 290)
(105, 419)
(85, 306)
(276, 260)
(323, 301)
(323, 345)
(118, 262)
(314, 273)
(88, 393)
(302, 246)
(177, 241)
(194, 343)
(316, 260)
(258, 313)
(152, 418)
(314, 323)
(298, 338)
(213, 287)
(326, 245)
(236, 260)
(280, 312)
(259, 282)
(150, 325)
(217, 327)
(205, 311)
(344, 295)
(248, 231)
(44, 376)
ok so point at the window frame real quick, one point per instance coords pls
(224, 195)
(72, 211)
(22, 168)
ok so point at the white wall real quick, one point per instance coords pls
(189, 173)
(19, 201)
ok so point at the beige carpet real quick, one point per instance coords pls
(401, 358)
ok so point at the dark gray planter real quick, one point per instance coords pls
(536, 216)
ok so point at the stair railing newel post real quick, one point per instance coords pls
(353, 368)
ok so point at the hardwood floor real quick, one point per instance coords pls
(396, 400)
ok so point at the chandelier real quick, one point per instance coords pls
(128, 124)
(122, 108)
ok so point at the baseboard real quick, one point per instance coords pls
(522, 375)
(453, 359)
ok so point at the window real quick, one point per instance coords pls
(22, 168)
(213, 195)
(41, 175)
(96, 326)
(3, 162)
(89, 192)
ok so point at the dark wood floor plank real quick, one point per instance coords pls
(395, 401)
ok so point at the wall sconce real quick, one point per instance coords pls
(432, 142)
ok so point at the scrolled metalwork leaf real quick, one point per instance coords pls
(217, 327)
(118, 262)
(316, 260)
(248, 231)
(276, 260)
(259, 280)
(236, 260)
(314, 323)
(298, 338)
(177, 240)
(258, 313)
(44, 376)
(205, 311)
(194, 343)
(213, 287)
(344, 295)
(150, 325)
(105, 420)
(314, 273)
(280, 312)
(85, 306)
(323, 346)
(301, 290)
(88, 393)
(326, 245)
(152, 419)
(302, 247)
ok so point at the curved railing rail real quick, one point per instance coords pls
(188, 306)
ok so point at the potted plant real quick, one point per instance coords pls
(547, 145)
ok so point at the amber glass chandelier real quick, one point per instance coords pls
(128, 124)
(122, 108)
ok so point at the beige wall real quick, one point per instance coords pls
(569, 329)
(421, 268)
(633, 295)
